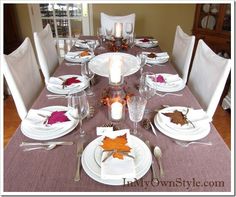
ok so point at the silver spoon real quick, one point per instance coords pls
(50, 147)
(158, 155)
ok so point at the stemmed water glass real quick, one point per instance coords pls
(129, 28)
(143, 59)
(89, 74)
(101, 37)
(91, 45)
(136, 107)
(109, 32)
(79, 102)
(145, 90)
(131, 41)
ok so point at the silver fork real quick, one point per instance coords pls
(186, 144)
(80, 148)
(162, 95)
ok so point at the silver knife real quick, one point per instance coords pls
(44, 143)
(154, 173)
(80, 148)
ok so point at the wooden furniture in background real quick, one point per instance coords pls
(212, 23)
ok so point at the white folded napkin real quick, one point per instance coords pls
(198, 118)
(36, 118)
(81, 44)
(151, 41)
(170, 80)
(114, 168)
(55, 82)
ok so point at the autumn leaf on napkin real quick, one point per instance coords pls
(177, 117)
(151, 55)
(71, 80)
(57, 116)
(145, 40)
(118, 145)
(159, 79)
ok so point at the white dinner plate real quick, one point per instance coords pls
(75, 57)
(92, 156)
(169, 87)
(60, 129)
(187, 133)
(69, 89)
(208, 22)
(149, 44)
(206, 8)
(100, 64)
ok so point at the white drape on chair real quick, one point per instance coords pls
(46, 51)
(208, 77)
(182, 52)
(22, 74)
(108, 21)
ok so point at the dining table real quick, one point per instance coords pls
(196, 168)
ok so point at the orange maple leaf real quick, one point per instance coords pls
(118, 145)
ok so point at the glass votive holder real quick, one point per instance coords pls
(116, 111)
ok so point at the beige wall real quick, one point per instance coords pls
(157, 20)
(23, 21)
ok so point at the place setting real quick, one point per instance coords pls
(183, 123)
(165, 82)
(115, 156)
(85, 44)
(156, 58)
(67, 83)
(146, 42)
(78, 56)
(49, 122)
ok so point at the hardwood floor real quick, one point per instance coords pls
(221, 120)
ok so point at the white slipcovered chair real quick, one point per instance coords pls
(108, 21)
(21, 71)
(46, 51)
(182, 52)
(208, 77)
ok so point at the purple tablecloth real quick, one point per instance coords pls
(196, 168)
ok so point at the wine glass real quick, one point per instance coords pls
(79, 102)
(129, 28)
(109, 32)
(89, 74)
(91, 45)
(101, 37)
(136, 107)
(143, 59)
(145, 90)
(131, 41)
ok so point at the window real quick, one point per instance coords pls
(66, 20)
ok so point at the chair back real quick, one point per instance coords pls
(46, 51)
(108, 21)
(182, 52)
(208, 77)
(21, 71)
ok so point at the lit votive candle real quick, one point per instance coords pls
(118, 30)
(115, 70)
(116, 110)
